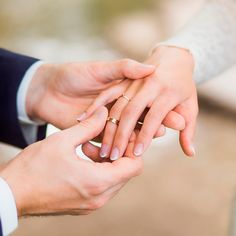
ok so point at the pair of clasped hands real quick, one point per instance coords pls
(142, 100)
(149, 100)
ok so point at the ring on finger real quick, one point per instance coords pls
(125, 97)
(113, 120)
(140, 123)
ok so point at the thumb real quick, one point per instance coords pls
(126, 68)
(87, 129)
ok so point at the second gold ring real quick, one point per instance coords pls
(113, 120)
(125, 97)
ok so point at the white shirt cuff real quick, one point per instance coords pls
(22, 93)
(8, 210)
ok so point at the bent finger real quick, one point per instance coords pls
(107, 96)
(174, 120)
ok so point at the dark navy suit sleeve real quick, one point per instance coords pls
(12, 69)
(0, 228)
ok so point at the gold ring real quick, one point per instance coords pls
(125, 97)
(113, 120)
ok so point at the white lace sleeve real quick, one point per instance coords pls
(211, 38)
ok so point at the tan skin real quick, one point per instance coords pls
(60, 93)
(48, 178)
(169, 94)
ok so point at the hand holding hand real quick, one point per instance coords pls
(48, 178)
(169, 94)
(59, 93)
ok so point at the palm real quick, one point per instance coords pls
(70, 97)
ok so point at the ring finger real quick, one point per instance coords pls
(111, 127)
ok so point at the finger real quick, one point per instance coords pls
(125, 68)
(124, 168)
(120, 106)
(160, 132)
(189, 110)
(108, 96)
(186, 138)
(129, 166)
(128, 120)
(110, 131)
(117, 172)
(91, 151)
(174, 120)
(87, 129)
(152, 122)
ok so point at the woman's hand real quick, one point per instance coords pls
(59, 93)
(169, 93)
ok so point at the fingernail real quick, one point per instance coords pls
(193, 149)
(104, 151)
(81, 117)
(138, 150)
(146, 66)
(163, 129)
(115, 154)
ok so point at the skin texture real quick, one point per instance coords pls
(59, 93)
(66, 184)
(48, 178)
(168, 96)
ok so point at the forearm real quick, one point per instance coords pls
(211, 38)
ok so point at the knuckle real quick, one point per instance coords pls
(94, 191)
(175, 120)
(145, 134)
(96, 188)
(88, 124)
(154, 116)
(96, 204)
(130, 111)
(56, 138)
(126, 62)
(116, 109)
(121, 135)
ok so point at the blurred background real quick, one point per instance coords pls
(175, 196)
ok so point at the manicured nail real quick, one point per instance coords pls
(104, 151)
(138, 150)
(146, 66)
(115, 154)
(81, 117)
(193, 150)
(162, 130)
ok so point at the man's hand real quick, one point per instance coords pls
(48, 178)
(59, 93)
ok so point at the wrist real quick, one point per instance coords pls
(8, 177)
(37, 89)
(172, 54)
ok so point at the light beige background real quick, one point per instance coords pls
(175, 196)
